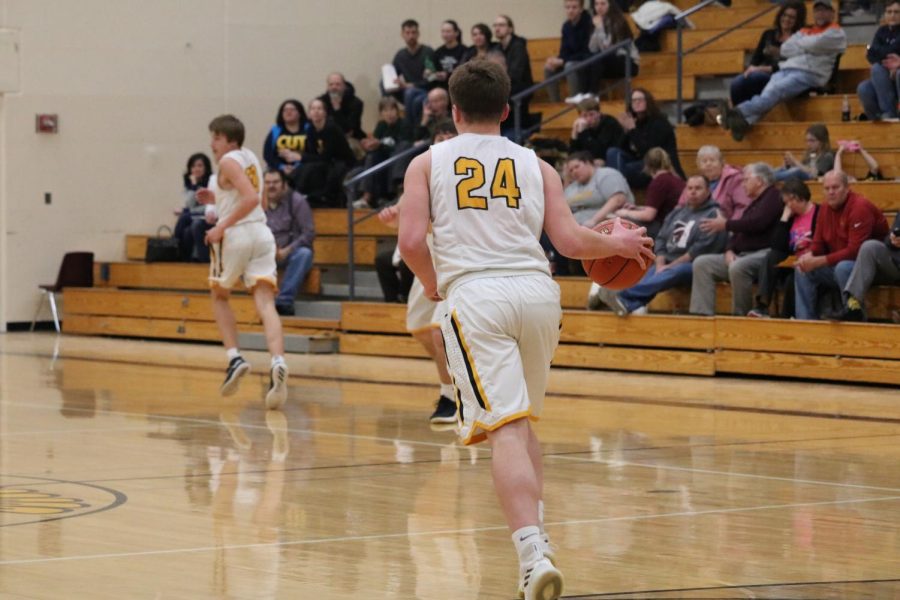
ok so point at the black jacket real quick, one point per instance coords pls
(349, 117)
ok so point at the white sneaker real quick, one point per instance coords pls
(549, 552)
(277, 394)
(542, 581)
(611, 299)
(577, 98)
(361, 204)
(641, 310)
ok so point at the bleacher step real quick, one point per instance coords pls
(295, 344)
(317, 309)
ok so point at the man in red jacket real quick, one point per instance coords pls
(846, 220)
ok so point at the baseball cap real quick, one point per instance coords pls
(825, 3)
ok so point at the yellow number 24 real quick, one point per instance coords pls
(503, 184)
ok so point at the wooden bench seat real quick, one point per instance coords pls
(167, 315)
(674, 344)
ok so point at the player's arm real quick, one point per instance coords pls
(230, 173)
(414, 220)
(574, 241)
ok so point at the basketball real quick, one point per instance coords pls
(614, 272)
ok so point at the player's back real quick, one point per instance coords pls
(227, 199)
(487, 208)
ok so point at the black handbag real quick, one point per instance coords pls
(162, 249)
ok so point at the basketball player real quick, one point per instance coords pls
(242, 246)
(423, 314)
(487, 200)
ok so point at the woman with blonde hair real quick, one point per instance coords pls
(817, 160)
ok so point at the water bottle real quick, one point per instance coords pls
(845, 108)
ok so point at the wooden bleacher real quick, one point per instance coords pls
(168, 301)
(675, 344)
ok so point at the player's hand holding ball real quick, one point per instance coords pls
(633, 255)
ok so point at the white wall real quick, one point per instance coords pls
(136, 82)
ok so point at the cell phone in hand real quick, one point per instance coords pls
(896, 231)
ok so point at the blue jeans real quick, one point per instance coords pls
(783, 85)
(785, 173)
(625, 163)
(413, 98)
(806, 286)
(879, 94)
(652, 283)
(744, 88)
(296, 268)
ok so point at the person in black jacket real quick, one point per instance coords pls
(450, 55)
(792, 236)
(518, 63)
(573, 48)
(342, 105)
(879, 95)
(593, 131)
(645, 127)
(789, 19)
(325, 161)
(284, 145)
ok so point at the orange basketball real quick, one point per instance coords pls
(614, 272)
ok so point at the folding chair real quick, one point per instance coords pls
(76, 270)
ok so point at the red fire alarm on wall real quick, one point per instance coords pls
(46, 123)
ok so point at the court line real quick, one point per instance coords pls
(191, 420)
(730, 587)
(439, 532)
(99, 430)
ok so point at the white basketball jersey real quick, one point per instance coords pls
(487, 208)
(226, 200)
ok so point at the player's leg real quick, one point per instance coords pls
(264, 298)
(260, 276)
(224, 270)
(422, 321)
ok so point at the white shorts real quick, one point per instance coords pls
(422, 313)
(247, 251)
(500, 334)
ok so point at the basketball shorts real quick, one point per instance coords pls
(246, 252)
(422, 313)
(500, 334)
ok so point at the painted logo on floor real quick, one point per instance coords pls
(26, 500)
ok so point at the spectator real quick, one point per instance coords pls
(594, 131)
(283, 148)
(481, 42)
(392, 136)
(788, 20)
(595, 192)
(326, 159)
(679, 243)
(877, 262)
(880, 93)
(195, 219)
(874, 173)
(289, 217)
(809, 59)
(411, 63)
(573, 48)
(444, 130)
(342, 105)
(817, 160)
(610, 28)
(746, 248)
(846, 220)
(725, 181)
(662, 193)
(450, 55)
(518, 63)
(436, 108)
(792, 238)
(645, 127)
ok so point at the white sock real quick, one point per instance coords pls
(528, 544)
(447, 390)
(541, 517)
(277, 360)
(232, 353)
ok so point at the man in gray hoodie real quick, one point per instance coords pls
(809, 56)
(678, 243)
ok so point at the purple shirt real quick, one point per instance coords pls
(291, 221)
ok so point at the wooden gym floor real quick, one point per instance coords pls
(123, 474)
